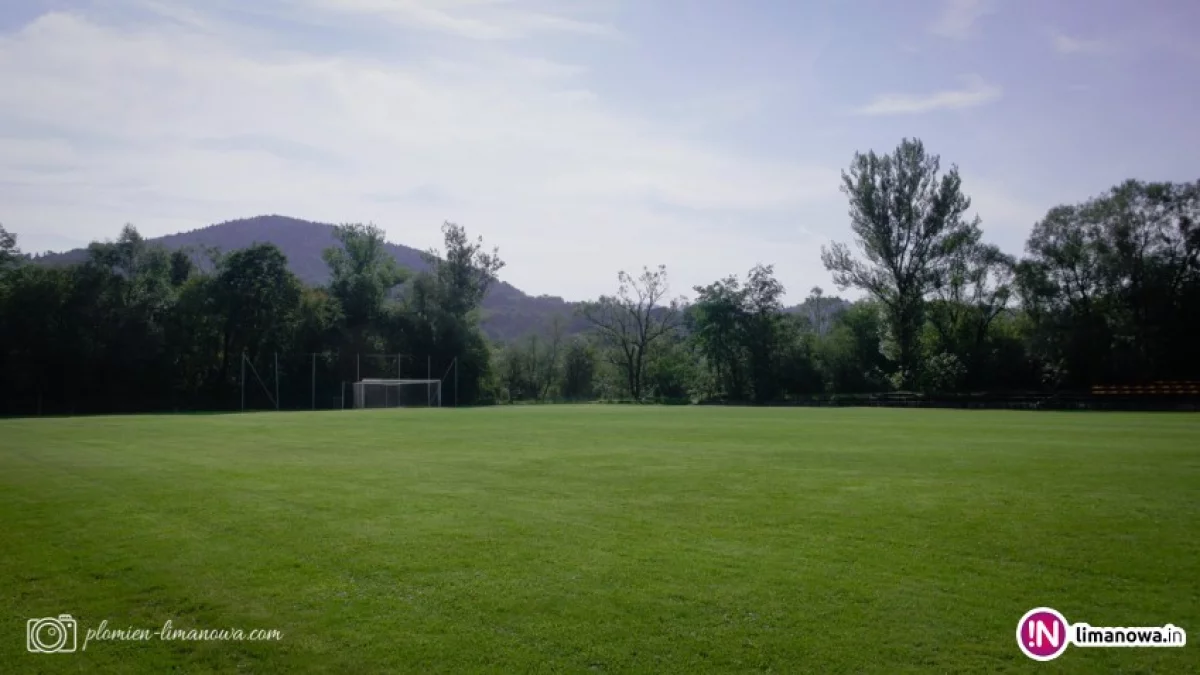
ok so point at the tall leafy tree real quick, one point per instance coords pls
(464, 271)
(1151, 254)
(763, 330)
(363, 276)
(579, 371)
(195, 332)
(909, 220)
(442, 310)
(1061, 284)
(716, 321)
(257, 298)
(124, 292)
(742, 333)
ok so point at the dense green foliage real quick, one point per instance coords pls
(614, 539)
(1113, 285)
(1107, 293)
(137, 328)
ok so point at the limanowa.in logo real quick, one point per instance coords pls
(1044, 633)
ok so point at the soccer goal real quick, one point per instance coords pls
(398, 394)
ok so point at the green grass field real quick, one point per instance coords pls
(600, 539)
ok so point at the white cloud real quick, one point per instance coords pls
(472, 19)
(975, 92)
(957, 18)
(171, 125)
(1065, 44)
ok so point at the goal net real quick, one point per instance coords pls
(398, 394)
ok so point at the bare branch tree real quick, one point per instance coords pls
(630, 322)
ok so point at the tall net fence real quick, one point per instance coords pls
(78, 383)
(327, 381)
(310, 382)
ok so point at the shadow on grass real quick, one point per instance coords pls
(198, 413)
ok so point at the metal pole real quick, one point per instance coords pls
(314, 381)
(428, 377)
(277, 380)
(243, 381)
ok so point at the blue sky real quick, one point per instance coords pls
(580, 136)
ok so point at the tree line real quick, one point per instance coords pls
(137, 328)
(1106, 293)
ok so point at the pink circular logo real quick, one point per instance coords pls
(1042, 634)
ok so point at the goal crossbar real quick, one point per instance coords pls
(391, 393)
(393, 381)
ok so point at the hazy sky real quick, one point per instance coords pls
(580, 136)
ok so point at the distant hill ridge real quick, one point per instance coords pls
(508, 312)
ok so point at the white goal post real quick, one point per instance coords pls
(381, 393)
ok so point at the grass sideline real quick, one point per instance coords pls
(601, 538)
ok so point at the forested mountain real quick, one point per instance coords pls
(508, 313)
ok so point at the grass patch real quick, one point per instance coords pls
(601, 538)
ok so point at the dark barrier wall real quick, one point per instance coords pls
(1022, 401)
